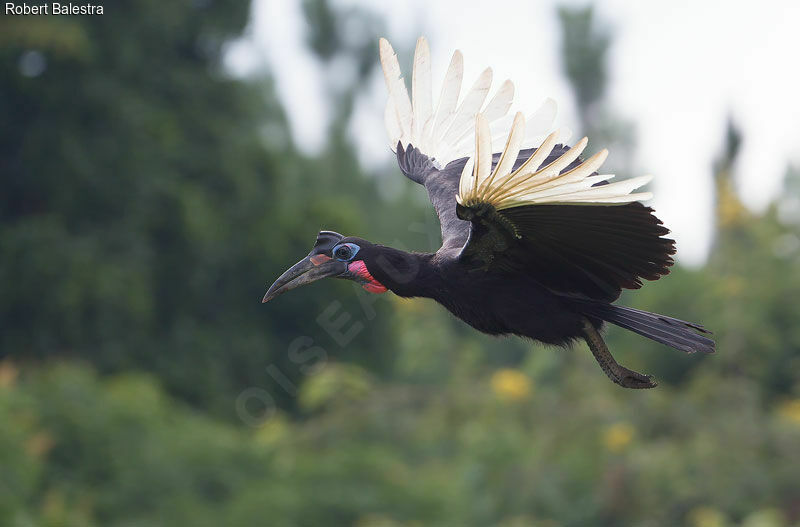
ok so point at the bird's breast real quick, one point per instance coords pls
(499, 305)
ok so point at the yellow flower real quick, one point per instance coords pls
(733, 285)
(618, 436)
(706, 517)
(764, 518)
(510, 384)
(730, 210)
(273, 431)
(39, 444)
(8, 373)
(790, 411)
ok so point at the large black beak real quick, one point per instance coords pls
(309, 269)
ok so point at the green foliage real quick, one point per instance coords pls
(84, 450)
(148, 199)
(584, 45)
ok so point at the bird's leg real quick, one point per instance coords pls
(619, 374)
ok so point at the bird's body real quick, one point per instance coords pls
(496, 303)
(493, 303)
(534, 242)
(499, 304)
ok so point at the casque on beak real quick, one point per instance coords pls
(310, 269)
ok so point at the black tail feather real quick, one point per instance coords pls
(675, 333)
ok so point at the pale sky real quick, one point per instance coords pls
(677, 70)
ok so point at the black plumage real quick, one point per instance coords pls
(537, 258)
(567, 267)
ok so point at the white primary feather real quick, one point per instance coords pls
(483, 152)
(540, 123)
(444, 130)
(449, 131)
(500, 103)
(421, 88)
(463, 121)
(398, 95)
(448, 98)
(532, 183)
(392, 123)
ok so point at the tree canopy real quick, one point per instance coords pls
(148, 197)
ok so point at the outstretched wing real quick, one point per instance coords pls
(551, 217)
(432, 142)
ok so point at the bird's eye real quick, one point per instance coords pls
(345, 252)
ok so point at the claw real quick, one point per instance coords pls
(635, 380)
(618, 374)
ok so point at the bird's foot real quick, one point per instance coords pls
(632, 379)
(617, 373)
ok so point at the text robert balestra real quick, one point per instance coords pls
(53, 8)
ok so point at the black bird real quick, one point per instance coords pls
(534, 242)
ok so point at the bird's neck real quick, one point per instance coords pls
(405, 274)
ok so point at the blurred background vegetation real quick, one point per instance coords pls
(148, 197)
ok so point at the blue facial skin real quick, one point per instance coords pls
(345, 252)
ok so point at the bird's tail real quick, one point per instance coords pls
(681, 335)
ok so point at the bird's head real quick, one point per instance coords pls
(334, 256)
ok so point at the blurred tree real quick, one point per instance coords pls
(754, 263)
(147, 198)
(134, 173)
(789, 201)
(731, 215)
(84, 450)
(140, 219)
(585, 47)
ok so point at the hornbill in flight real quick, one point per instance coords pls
(534, 242)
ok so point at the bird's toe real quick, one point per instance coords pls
(637, 380)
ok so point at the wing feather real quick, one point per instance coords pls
(556, 182)
(510, 153)
(451, 89)
(397, 91)
(498, 106)
(483, 147)
(444, 130)
(540, 122)
(534, 219)
(421, 90)
(464, 119)
(470, 153)
(392, 122)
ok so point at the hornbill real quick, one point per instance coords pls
(534, 242)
